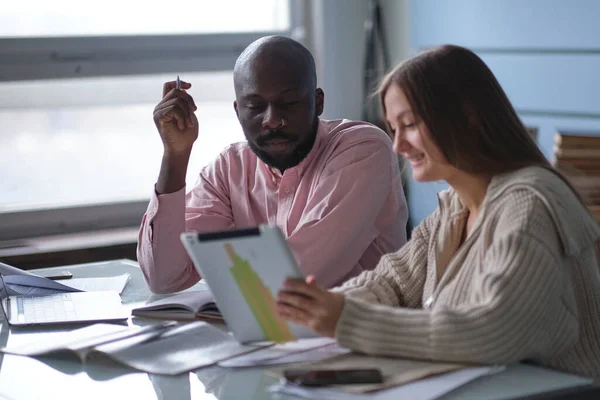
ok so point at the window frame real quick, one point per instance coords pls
(64, 58)
(72, 57)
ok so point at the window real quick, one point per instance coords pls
(68, 18)
(78, 83)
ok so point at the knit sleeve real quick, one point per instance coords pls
(399, 277)
(519, 313)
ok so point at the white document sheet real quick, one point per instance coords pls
(110, 283)
(424, 389)
(182, 348)
(303, 350)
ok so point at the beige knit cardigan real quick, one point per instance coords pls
(525, 284)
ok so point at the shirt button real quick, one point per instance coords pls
(428, 302)
(287, 190)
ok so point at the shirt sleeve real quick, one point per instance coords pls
(340, 218)
(519, 314)
(399, 277)
(164, 262)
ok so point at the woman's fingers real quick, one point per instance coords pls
(307, 304)
(297, 301)
(304, 288)
(292, 314)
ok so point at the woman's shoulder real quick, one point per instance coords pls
(538, 200)
(520, 210)
(529, 185)
(533, 177)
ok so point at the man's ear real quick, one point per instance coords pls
(235, 107)
(320, 101)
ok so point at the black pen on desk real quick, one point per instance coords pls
(154, 330)
(58, 276)
(178, 83)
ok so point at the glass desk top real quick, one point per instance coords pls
(29, 378)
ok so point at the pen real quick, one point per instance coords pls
(178, 83)
(154, 330)
(57, 276)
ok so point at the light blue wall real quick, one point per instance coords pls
(545, 53)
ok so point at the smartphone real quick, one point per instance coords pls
(332, 376)
(56, 275)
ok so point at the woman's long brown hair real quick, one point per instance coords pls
(468, 114)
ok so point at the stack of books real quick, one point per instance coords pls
(578, 158)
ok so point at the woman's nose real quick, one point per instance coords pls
(400, 143)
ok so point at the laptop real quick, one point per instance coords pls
(63, 308)
(244, 269)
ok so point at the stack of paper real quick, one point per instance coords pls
(396, 371)
(168, 348)
(303, 350)
(424, 389)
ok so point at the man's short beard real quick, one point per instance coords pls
(300, 152)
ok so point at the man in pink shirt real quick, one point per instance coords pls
(332, 187)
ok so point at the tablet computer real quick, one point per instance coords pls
(245, 268)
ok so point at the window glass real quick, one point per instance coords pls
(59, 18)
(90, 141)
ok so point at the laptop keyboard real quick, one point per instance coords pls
(46, 308)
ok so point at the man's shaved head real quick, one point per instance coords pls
(276, 54)
(277, 100)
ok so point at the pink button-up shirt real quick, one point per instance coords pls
(341, 208)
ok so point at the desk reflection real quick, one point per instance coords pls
(171, 387)
(217, 383)
(4, 331)
(223, 384)
(232, 384)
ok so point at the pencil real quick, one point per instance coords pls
(178, 83)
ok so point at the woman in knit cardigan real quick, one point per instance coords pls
(504, 270)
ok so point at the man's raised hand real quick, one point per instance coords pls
(175, 119)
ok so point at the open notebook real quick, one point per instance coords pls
(181, 306)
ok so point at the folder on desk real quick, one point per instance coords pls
(76, 307)
(26, 283)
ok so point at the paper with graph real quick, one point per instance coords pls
(244, 272)
(259, 298)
